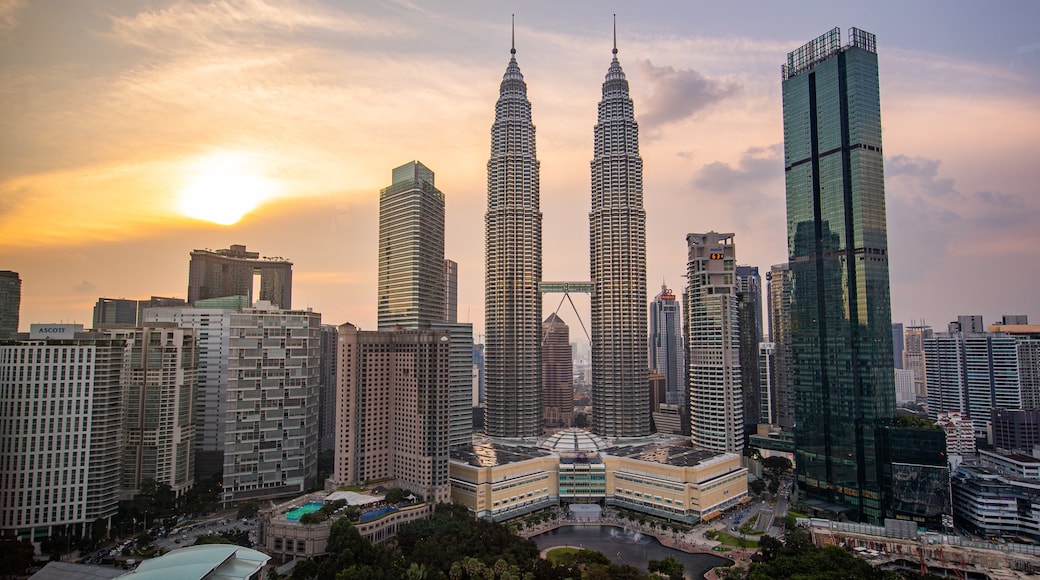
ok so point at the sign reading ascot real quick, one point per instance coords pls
(42, 331)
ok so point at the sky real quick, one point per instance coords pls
(134, 132)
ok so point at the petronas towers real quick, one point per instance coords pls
(513, 302)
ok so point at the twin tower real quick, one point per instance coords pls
(617, 245)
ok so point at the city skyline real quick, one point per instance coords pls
(114, 107)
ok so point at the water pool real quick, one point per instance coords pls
(307, 508)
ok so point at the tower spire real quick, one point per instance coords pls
(615, 34)
(512, 47)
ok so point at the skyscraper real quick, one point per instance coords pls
(666, 347)
(838, 254)
(271, 436)
(10, 302)
(713, 344)
(897, 344)
(779, 297)
(411, 249)
(115, 313)
(59, 433)
(749, 308)
(451, 291)
(392, 409)
(557, 373)
(159, 378)
(913, 357)
(230, 272)
(513, 262)
(617, 231)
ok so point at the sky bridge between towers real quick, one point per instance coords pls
(566, 288)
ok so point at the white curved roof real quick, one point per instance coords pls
(574, 439)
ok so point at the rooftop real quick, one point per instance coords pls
(207, 562)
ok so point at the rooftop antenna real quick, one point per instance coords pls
(615, 34)
(512, 49)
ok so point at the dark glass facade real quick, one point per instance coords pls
(838, 252)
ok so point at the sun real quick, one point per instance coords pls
(222, 187)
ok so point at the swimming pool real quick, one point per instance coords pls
(307, 508)
(376, 514)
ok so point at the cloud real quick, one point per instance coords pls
(9, 14)
(678, 94)
(923, 172)
(756, 166)
(84, 287)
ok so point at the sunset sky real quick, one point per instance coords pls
(133, 132)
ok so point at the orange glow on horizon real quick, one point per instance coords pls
(224, 187)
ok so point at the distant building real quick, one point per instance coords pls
(779, 297)
(960, 433)
(968, 324)
(230, 272)
(271, 439)
(914, 358)
(10, 302)
(749, 307)
(115, 313)
(71, 385)
(974, 373)
(1028, 338)
(160, 374)
(212, 327)
(327, 390)
(666, 347)
(713, 343)
(766, 372)
(997, 496)
(451, 291)
(905, 387)
(1016, 429)
(392, 409)
(897, 344)
(557, 373)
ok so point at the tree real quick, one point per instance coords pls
(669, 567)
(15, 556)
(777, 464)
(247, 510)
(581, 420)
(758, 486)
(395, 495)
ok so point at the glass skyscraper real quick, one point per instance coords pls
(617, 230)
(666, 346)
(411, 250)
(838, 254)
(513, 261)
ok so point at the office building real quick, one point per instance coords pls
(115, 313)
(1028, 338)
(10, 302)
(160, 374)
(713, 344)
(230, 272)
(327, 389)
(905, 387)
(392, 409)
(916, 472)
(212, 328)
(914, 359)
(767, 376)
(557, 373)
(451, 291)
(417, 286)
(897, 344)
(617, 232)
(749, 308)
(666, 347)
(61, 414)
(1016, 429)
(967, 324)
(778, 289)
(411, 250)
(838, 255)
(513, 262)
(271, 436)
(997, 496)
(974, 373)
